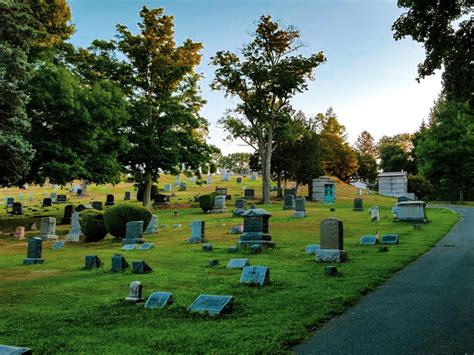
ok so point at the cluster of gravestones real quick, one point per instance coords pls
(119, 264)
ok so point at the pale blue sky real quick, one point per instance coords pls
(369, 79)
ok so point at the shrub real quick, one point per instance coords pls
(141, 190)
(206, 202)
(116, 218)
(420, 186)
(92, 225)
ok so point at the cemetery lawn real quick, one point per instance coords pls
(59, 307)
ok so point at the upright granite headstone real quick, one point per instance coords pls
(300, 208)
(119, 263)
(197, 232)
(211, 304)
(358, 204)
(289, 202)
(141, 267)
(255, 275)
(61, 199)
(177, 180)
(17, 208)
(221, 191)
(75, 233)
(110, 200)
(152, 226)
(127, 196)
(249, 193)
(68, 210)
(10, 201)
(374, 213)
(253, 177)
(256, 225)
(219, 205)
(133, 233)
(183, 186)
(239, 180)
(92, 262)
(159, 300)
(47, 202)
(35, 248)
(97, 205)
(239, 207)
(168, 188)
(135, 294)
(332, 237)
(48, 228)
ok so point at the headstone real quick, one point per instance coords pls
(20, 233)
(92, 262)
(253, 177)
(168, 188)
(145, 246)
(412, 211)
(256, 223)
(58, 245)
(255, 275)
(239, 207)
(300, 208)
(141, 267)
(133, 233)
(61, 199)
(389, 239)
(110, 200)
(358, 204)
(48, 228)
(289, 202)
(197, 232)
(97, 205)
(219, 205)
(249, 193)
(152, 226)
(17, 208)
(35, 248)
(47, 202)
(177, 180)
(10, 201)
(212, 262)
(221, 191)
(129, 247)
(238, 229)
(14, 350)
(237, 263)
(209, 179)
(159, 300)
(330, 255)
(368, 240)
(207, 247)
(30, 197)
(68, 210)
(119, 263)
(161, 199)
(53, 196)
(332, 234)
(374, 213)
(75, 233)
(212, 304)
(239, 180)
(135, 294)
(127, 196)
(312, 248)
(183, 186)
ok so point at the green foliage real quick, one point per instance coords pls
(394, 158)
(206, 202)
(237, 162)
(367, 170)
(420, 186)
(264, 81)
(141, 188)
(92, 225)
(447, 41)
(116, 218)
(365, 145)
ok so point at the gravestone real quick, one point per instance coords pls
(239, 207)
(14, 350)
(253, 177)
(161, 199)
(197, 232)
(68, 210)
(358, 204)
(289, 202)
(239, 180)
(20, 233)
(374, 213)
(140, 267)
(48, 228)
(58, 245)
(17, 208)
(300, 208)
(211, 304)
(145, 246)
(412, 211)
(168, 188)
(249, 193)
(312, 248)
(135, 294)
(75, 233)
(47, 202)
(219, 205)
(238, 229)
(207, 247)
(129, 247)
(159, 300)
(237, 263)
(183, 186)
(255, 275)
(119, 263)
(127, 196)
(256, 224)
(53, 196)
(97, 205)
(35, 248)
(389, 239)
(110, 200)
(221, 191)
(61, 199)
(332, 237)
(330, 255)
(79, 192)
(152, 226)
(30, 197)
(177, 180)
(368, 240)
(133, 233)
(92, 262)
(10, 201)
(209, 179)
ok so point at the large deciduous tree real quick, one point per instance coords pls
(265, 79)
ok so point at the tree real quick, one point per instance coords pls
(15, 33)
(237, 162)
(446, 152)
(338, 157)
(367, 170)
(394, 158)
(447, 41)
(264, 80)
(402, 140)
(365, 144)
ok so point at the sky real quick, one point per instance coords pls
(368, 78)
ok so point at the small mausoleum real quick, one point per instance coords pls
(323, 189)
(393, 184)
(413, 211)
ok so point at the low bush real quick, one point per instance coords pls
(116, 218)
(92, 225)
(206, 202)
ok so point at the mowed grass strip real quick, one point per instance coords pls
(58, 307)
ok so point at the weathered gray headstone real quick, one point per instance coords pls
(146, 246)
(249, 193)
(219, 205)
(256, 226)
(97, 205)
(332, 234)
(300, 208)
(35, 248)
(389, 239)
(413, 211)
(58, 245)
(141, 267)
(47, 202)
(368, 240)
(238, 263)
(159, 300)
(133, 233)
(255, 275)
(110, 200)
(197, 232)
(239, 207)
(152, 226)
(212, 304)
(127, 196)
(92, 262)
(183, 186)
(48, 228)
(168, 188)
(68, 210)
(119, 263)
(358, 204)
(374, 213)
(61, 199)
(135, 294)
(75, 232)
(289, 202)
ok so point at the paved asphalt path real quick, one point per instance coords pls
(427, 308)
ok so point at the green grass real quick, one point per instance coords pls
(58, 307)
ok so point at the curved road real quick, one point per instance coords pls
(427, 308)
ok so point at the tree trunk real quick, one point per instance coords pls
(279, 192)
(147, 192)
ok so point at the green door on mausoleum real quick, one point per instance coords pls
(329, 193)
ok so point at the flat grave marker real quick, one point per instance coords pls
(255, 275)
(238, 263)
(159, 300)
(211, 304)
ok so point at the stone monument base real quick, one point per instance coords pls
(263, 243)
(134, 300)
(196, 240)
(31, 261)
(75, 238)
(299, 214)
(331, 255)
(218, 210)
